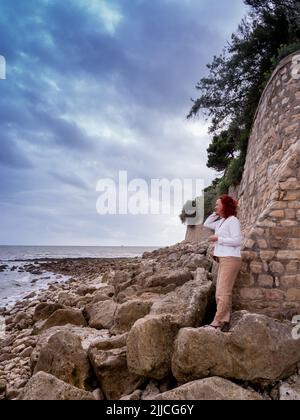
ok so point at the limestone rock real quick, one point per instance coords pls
(22, 321)
(84, 290)
(45, 387)
(98, 394)
(167, 277)
(290, 389)
(44, 310)
(109, 361)
(101, 314)
(2, 390)
(87, 336)
(213, 388)
(256, 349)
(61, 317)
(135, 396)
(67, 299)
(150, 346)
(151, 391)
(64, 358)
(187, 304)
(128, 313)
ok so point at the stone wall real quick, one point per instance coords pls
(269, 200)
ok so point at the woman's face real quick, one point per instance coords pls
(219, 207)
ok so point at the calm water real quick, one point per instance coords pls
(14, 285)
(17, 253)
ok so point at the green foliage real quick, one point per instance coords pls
(222, 187)
(235, 171)
(221, 151)
(218, 187)
(230, 93)
(284, 51)
(233, 87)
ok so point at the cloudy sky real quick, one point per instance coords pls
(94, 87)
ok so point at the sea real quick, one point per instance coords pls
(17, 284)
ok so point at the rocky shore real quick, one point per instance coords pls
(131, 328)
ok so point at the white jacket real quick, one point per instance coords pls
(229, 235)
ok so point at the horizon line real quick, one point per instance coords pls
(111, 246)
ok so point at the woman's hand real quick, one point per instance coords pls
(213, 238)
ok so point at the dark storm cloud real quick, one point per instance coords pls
(94, 87)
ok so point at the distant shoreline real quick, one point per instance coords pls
(67, 258)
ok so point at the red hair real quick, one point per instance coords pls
(230, 205)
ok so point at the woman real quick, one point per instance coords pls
(227, 239)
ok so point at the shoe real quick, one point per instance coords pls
(225, 327)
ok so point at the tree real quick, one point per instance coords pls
(230, 94)
(220, 151)
(236, 78)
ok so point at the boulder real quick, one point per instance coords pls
(101, 314)
(45, 310)
(107, 343)
(197, 260)
(187, 304)
(84, 290)
(150, 346)
(22, 321)
(45, 387)
(167, 277)
(67, 299)
(98, 394)
(2, 390)
(108, 358)
(257, 348)
(120, 280)
(100, 296)
(61, 317)
(135, 396)
(213, 388)
(290, 389)
(86, 335)
(151, 391)
(64, 358)
(128, 313)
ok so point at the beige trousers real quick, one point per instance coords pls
(229, 268)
